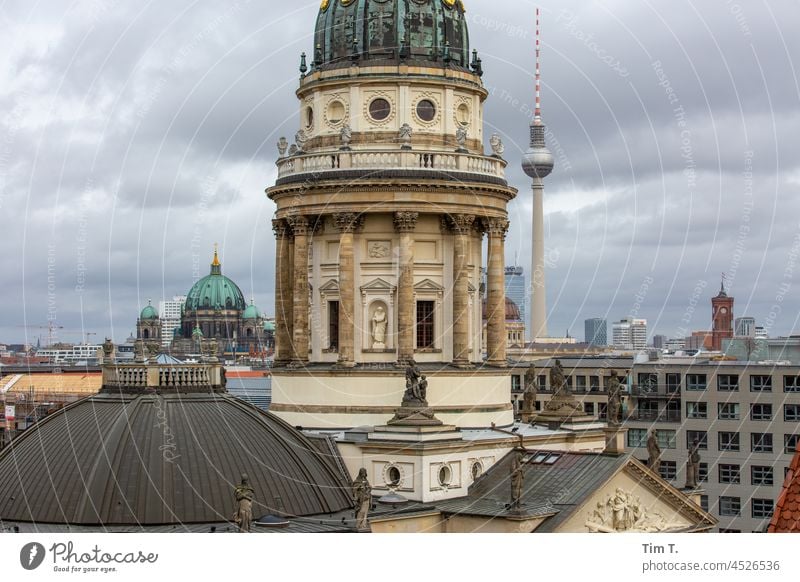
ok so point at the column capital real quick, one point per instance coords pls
(406, 221)
(281, 229)
(461, 223)
(496, 226)
(348, 222)
(299, 225)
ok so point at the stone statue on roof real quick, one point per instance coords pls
(693, 466)
(416, 386)
(244, 495)
(517, 479)
(614, 411)
(362, 496)
(654, 452)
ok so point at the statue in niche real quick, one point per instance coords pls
(379, 323)
(346, 136)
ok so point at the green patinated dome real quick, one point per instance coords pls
(251, 312)
(215, 292)
(269, 326)
(429, 31)
(149, 312)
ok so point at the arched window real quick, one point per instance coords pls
(249, 332)
(146, 334)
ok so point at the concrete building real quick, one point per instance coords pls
(746, 418)
(629, 334)
(745, 327)
(721, 318)
(171, 313)
(596, 332)
(761, 332)
(517, 290)
(660, 342)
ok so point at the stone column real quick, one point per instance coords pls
(284, 303)
(496, 302)
(406, 223)
(462, 227)
(300, 343)
(346, 224)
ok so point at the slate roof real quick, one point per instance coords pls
(786, 517)
(155, 460)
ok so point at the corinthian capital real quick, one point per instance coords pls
(496, 226)
(299, 225)
(462, 223)
(405, 221)
(347, 222)
(281, 229)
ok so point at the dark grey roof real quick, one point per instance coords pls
(159, 460)
(557, 488)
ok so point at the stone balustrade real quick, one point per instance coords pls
(142, 377)
(316, 163)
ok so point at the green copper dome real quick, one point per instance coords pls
(149, 312)
(215, 292)
(433, 32)
(251, 312)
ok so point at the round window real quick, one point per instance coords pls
(462, 114)
(445, 476)
(380, 109)
(335, 112)
(393, 477)
(426, 110)
(309, 117)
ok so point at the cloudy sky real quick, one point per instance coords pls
(135, 135)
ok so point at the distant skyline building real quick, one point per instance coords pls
(630, 334)
(745, 327)
(170, 312)
(596, 332)
(516, 289)
(660, 341)
(761, 332)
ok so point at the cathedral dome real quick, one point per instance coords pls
(215, 292)
(148, 313)
(163, 459)
(428, 31)
(251, 312)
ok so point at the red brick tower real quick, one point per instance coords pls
(722, 318)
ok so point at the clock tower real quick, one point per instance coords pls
(722, 318)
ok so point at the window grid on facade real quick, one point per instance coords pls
(696, 410)
(760, 383)
(637, 437)
(425, 313)
(666, 439)
(761, 442)
(790, 443)
(761, 475)
(728, 441)
(594, 383)
(700, 436)
(728, 383)
(728, 410)
(702, 474)
(791, 412)
(729, 474)
(673, 383)
(580, 383)
(761, 411)
(730, 506)
(761, 508)
(695, 382)
(704, 502)
(791, 383)
(668, 470)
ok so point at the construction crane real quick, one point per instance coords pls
(50, 327)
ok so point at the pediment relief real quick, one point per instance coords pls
(330, 288)
(428, 285)
(378, 286)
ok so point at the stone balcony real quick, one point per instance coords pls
(391, 163)
(159, 377)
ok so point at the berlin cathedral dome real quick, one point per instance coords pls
(431, 31)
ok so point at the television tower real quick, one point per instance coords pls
(538, 163)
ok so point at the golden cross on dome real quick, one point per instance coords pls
(216, 257)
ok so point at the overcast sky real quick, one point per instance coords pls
(135, 135)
